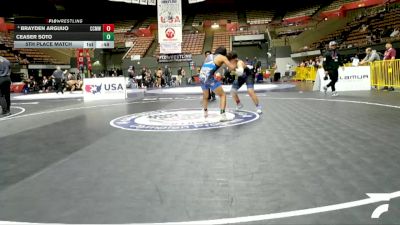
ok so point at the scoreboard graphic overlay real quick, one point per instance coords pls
(63, 33)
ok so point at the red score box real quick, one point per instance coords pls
(108, 27)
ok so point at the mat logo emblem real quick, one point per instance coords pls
(181, 120)
(93, 88)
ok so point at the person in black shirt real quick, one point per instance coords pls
(332, 61)
(59, 77)
(5, 83)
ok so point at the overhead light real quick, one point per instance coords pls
(215, 26)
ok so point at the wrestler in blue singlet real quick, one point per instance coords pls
(207, 74)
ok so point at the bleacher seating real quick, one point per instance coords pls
(391, 20)
(121, 29)
(5, 38)
(337, 4)
(259, 16)
(10, 56)
(120, 39)
(223, 38)
(353, 36)
(191, 43)
(217, 17)
(140, 46)
(309, 11)
(150, 20)
(35, 56)
(124, 26)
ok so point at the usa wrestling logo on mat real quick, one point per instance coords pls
(181, 120)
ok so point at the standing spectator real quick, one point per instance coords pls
(131, 72)
(371, 56)
(159, 78)
(148, 75)
(179, 72)
(139, 77)
(182, 75)
(332, 61)
(58, 77)
(256, 64)
(167, 76)
(148, 79)
(5, 83)
(248, 62)
(179, 79)
(390, 54)
(131, 78)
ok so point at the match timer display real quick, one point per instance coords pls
(54, 35)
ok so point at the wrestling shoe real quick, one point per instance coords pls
(239, 106)
(6, 113)
(259, 110)
(205, 113)
(224, 118)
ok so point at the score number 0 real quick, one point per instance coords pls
(108, 27)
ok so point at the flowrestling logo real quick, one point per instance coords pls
(181, 120)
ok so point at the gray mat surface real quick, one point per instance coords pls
(73, 167)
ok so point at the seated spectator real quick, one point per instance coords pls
(31, 85)
(364, 28)
(369, 39)
(374, 39)
(21, 60)
(47, 84)
(343, 45)
(387, 32)
(371, 56)
(395, 32)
